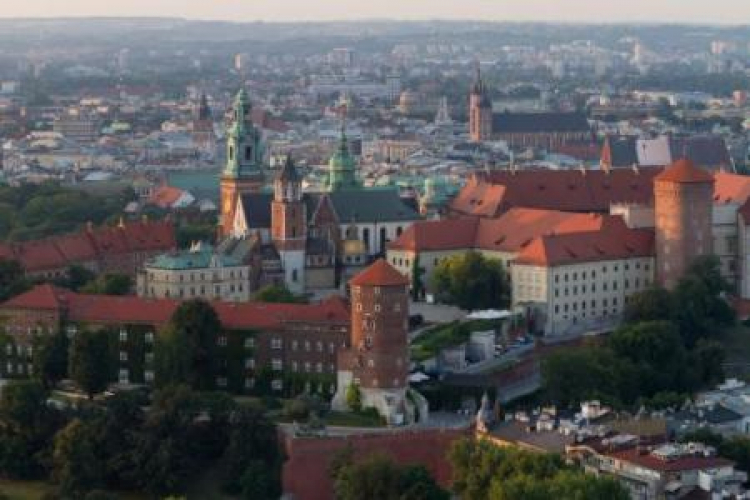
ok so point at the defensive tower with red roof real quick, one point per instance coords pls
(683, 200)
(377, 360)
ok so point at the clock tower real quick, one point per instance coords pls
(243, 172)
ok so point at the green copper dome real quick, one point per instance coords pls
(342, 168)
(244, 145)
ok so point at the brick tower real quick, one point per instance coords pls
(480, 110)
(288, 225)
(683, 197)
(377, 361)
(243, 172)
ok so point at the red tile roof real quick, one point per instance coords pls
(490, 194)
(381, 273)
(510, 232)
(731, 188)
(615, 242)
(136, 310)
(684, 463)
(684, 172)
(90, 245)
(165, 196)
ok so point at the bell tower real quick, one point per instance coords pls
(289, 224)
(480, 110)
(243, 172)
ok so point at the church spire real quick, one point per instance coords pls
(244, 144)
(342, 165)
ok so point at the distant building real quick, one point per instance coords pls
(78, 126)
(523, 130)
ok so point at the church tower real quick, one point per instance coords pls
(683, 199)
(342, 168)
(203, 127)
(288, 225)
(480, 110)
(243, 172)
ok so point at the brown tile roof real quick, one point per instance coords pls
(731, 188)
(684, 463)
(684, 171)
(488, 195)
(111, 309)
(609, 244)
(89, 245)
(165, 196)
(380, 273)
(510, 232)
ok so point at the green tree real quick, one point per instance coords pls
(354, 397)
(90, 361)
(653, 304)
(12, 279)
(253, 457)
(186, 350)
(471, 281)
(76, 465)
(78, 277)
(417, 282)
(50, 361)
(377, 476)
(27, 425)
(110, 284)
(277, 294)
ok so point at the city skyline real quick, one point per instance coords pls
(665, 11)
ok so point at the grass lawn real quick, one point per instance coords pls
(24, 490)
(736, 342)
(434, 340)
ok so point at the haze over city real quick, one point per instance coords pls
(670, 11)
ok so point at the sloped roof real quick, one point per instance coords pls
(257, 209)
(521, 123)
(616, 242)
(445, 234)
(684, 171)
(380, 273)
(488, 195)
(137, 310)
(165, 196)
(731, 188)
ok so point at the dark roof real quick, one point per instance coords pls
(371, 205)
(521, 123)
(289, 171)
(257, 207)
(620, 151)
(716, 415)
(708, 151)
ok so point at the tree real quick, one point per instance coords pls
(253, 457)
(483, 470)
(90, 361)
(77, 467)
(110, 284)
(50, 360)
(354, 397)
(377, 476)
(471, 281)
(27, 425)
(186, 350)
(12, 279)
(277, 294)
(417, 284)
(653, 304)
(78, 277)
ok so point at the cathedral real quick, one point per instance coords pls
(307, 240)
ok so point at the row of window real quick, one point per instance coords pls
(201, 292)
(278, 343)
(152, 276)
(278, 365)
(575, 305)
(592, 275)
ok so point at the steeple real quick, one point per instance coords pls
(288, 183)
(244, 146)
(342, 166)
(204, 111)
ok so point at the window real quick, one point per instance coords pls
(307, 367)
(123, 335)
(276, 343)
(277, 384)
(123, 376)
(307, 345)
(320, 346)
(149, 357)
(249, 383)
(295, 366)
(221, 381)
(249, 363)
(123, 356)
(249, 342)
(295, 345)
(222, 341)
(319, 367)
(277, 364)
(331, 347)
(149, 337)
(148, 376)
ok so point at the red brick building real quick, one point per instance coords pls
(683, 201)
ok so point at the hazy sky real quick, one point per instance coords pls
(696, 11)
